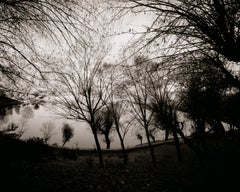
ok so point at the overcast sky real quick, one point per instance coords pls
(122, 36)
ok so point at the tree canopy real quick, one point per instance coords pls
(32, 33)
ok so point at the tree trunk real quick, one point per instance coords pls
(99, 150)
(150, 147)
(177, 145)
(63, 144)
(219, 131)
(202, 135)
(190, 144)
(153, 138)
(125, 156)
(166, 135)
(108, 142)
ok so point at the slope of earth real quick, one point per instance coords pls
(77, 170)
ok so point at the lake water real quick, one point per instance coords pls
(82, 138)
(31, 122)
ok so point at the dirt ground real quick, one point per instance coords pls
(219, 171)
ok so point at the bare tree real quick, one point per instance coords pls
(191, 31)
(47, 130)
(152, 133)
(118, 109)
(203, 99)
(104, 121)
(32, 34)
(115, 103)
(78, 88)
(186, 35)
(161, 102)
(165, 117)
(213, 23)
(139, 97)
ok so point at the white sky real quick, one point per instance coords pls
(123, 31)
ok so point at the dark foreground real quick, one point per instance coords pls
(79, 172)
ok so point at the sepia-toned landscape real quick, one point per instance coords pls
(119, 95)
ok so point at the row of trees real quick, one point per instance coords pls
(188, 42)
(200, 54)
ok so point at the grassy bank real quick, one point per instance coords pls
(35, 168)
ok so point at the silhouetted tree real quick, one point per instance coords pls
(67, 133)
(139, 97)
(25, 51)
(197, 40)
(104, 123)
(152, 133)
(192, 36)
(195, 28)
(202, 102)
(117, 110)
(165, 117)
(139, 137)
(79, 90)
(115, 103)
